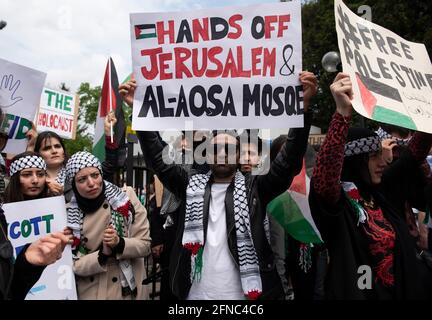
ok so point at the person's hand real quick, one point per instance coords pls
(157, 250)
(47, 249)
(68, 233)
(387, 149)
(310, 87)
(31, 137)
(341, 89)
(110, 238)
(54, 187)
(106, 249)
(127, 91)
(110, 118)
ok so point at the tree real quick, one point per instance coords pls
(83, 140)
(411, 20)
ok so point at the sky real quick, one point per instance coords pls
(71, 40)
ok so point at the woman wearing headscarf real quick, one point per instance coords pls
(28, 173)
(111, 233)
(359, 209)
(52, 149)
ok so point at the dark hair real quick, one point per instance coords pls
(389, 128)
(13, 190)
(48, 135)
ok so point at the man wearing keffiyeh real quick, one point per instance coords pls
(221, 250)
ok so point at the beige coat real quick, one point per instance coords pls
(103, 282)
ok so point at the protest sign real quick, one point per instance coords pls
(20, 92)
(392, 77)
(27, 222)
(234, 67)
(58, 112)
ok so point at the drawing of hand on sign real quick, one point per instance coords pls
(8, 91)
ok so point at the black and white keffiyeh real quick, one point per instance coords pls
(61, 176)
(81, 160)
(362, 145)
(121, 215)
(193, 236)
(382, 134)
(27, 162)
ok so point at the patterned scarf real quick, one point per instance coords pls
(61, 176)
(362, 145)
(382, 134)
(121, 216)
(27, 162)
(193, 236)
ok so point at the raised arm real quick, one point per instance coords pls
(288, 162)
(172, 176)
(328, 166)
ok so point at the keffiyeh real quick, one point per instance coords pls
(193, 236)
(121, 216)
(27, 162)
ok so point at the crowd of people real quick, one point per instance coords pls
(212, 235)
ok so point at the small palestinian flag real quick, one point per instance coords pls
(110, 100)
(375, 94)
(144, 31)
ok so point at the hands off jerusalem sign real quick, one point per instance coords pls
(391, 77)
(234, 67)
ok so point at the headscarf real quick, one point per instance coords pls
(27, 162)
(121, 215)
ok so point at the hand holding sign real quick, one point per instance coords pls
(47, 249)
(310, 87)
(127, 91)
(8, 91)
(341, 89)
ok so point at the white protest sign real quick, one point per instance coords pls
(58, 112)
(233, 67)
(392, 77)
(20, 92)
(27, 222)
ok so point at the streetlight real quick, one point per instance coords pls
(331, 61)
(2, 24)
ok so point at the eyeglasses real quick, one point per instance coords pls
(83, 179)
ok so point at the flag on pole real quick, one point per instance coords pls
(110, 100)
(291, 210)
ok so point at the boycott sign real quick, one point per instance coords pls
(58, 112)
(233, 67)
(27, 222)
(392, 77)
(20, 90)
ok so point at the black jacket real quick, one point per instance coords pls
(261, 190)
(15, 279)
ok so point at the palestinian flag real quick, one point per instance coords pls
(374, 94)
(110, 100)
(143, 31)
(291, 210)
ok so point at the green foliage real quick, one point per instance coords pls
(411, 20)
(89, 102)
